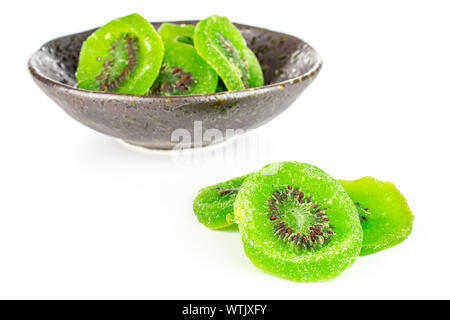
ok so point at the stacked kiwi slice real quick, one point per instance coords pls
(299, 223)
(129, 56)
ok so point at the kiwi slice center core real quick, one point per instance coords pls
(226, 191)
(297, 220)
(120, 64)
(235, 58)
(172, 80)
(296, 215)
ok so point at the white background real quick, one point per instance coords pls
(84, 216)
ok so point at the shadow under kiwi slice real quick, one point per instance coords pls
(177, 32)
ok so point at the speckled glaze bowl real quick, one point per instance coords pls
(289, 66)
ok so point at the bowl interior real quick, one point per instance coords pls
(282, 56)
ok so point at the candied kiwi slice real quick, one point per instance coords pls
(177, 32)
(297, 222)
(385, 216)
(221, 44)
(124, 56)
(183, 72)
(214, 205)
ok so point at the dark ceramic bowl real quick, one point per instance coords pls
(289, 66)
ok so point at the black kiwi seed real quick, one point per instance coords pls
(234, 55)
(364, 213)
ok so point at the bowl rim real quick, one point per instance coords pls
(35, 72)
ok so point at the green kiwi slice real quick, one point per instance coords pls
(222, 46)
(214, 205)
(385, 216)
(297, 222)
(183, 72)
(124, 56)
(177, 32)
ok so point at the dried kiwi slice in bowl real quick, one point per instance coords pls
(221, 44)
(183, 72)
(297, 222)
(124, 56)
(385, 216)
(177, 32)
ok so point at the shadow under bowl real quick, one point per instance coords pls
(289, 65)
